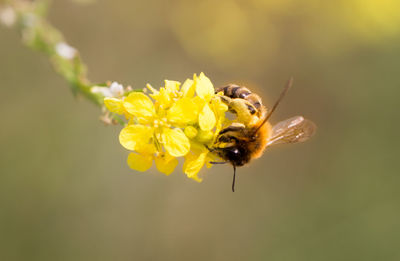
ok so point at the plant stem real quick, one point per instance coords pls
(37, 33)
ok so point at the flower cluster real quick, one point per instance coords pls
(175, 121)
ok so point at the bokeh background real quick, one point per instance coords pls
(66, 192)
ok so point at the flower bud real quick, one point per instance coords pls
(190, 132)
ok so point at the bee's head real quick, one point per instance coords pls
(236, 155)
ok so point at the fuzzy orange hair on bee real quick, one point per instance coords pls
(251, 133)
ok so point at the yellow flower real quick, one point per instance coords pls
(165, 163)
(152, 128)
(181, 122)
(205, 91)
(166, 96)
(212, 115)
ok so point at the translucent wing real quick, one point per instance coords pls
(293, 130)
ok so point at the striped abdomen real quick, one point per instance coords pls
(235, 91)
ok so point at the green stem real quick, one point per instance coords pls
(37, 33)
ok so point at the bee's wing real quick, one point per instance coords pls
(293, 130)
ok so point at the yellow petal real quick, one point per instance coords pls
(128, 116)
(175, 142)
(218, 127)
(140, 162)
(114, 105)
(207, 118)
(188, 88)
(184, 111)
(199, 102)
(205, 136)
(204, 87)
(163, 98)
(165, 163)
(139, 104)
(172, 86)
(219, 109)
(193, 164)
(147, 148)
(135, 137)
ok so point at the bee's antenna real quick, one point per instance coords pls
(283, 93)
(234, 177)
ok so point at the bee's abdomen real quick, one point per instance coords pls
(234, 91)
(241, 92)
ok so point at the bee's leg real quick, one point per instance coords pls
(215, 150)
(210, 149)
(218, 162)
(241, 107)
(225, 99)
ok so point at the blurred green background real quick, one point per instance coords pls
(66, 192)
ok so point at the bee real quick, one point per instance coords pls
(251, 133)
